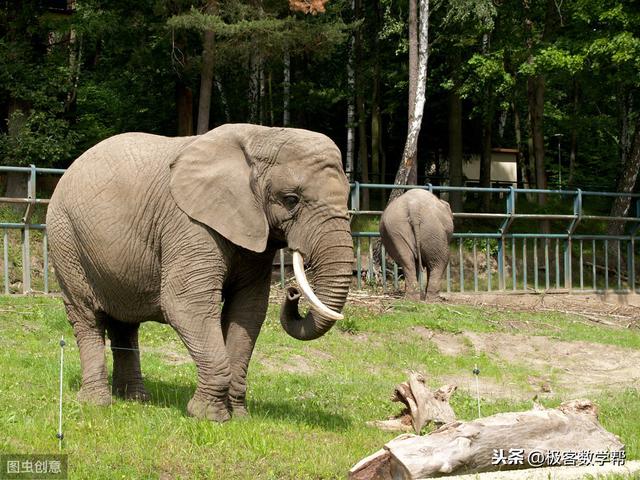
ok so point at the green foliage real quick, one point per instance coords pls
(487, 72)
(42, 139)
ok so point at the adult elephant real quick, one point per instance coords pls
(416, 229)
(144, 227)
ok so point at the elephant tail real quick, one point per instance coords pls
(416, 235)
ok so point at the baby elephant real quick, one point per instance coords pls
(416, 229)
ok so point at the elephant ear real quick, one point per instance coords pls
(211, 182)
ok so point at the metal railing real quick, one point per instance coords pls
(26, 226)
(480, 261)
(518, 261)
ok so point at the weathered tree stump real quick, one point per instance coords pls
(469, 447)
(420, 406)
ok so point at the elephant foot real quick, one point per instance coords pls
(96, 396)
(238, 408)
(130, 391)
(413, 296)
(435, 298)
(214, 410)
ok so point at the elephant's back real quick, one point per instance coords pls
(105, 214)
(117, 168)
(425, 207)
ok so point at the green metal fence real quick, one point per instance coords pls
(519, 261)
(500, 260)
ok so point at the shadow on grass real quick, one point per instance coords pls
(302, 411)
(176, 396)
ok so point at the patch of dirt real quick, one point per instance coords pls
(293, 364)
(319, 354)
(612, 309)
(447, 343)
(574, 368)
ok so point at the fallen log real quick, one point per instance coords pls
(539, 437)
(420, 406)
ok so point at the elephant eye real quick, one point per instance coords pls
(290, 201)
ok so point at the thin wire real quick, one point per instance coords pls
(60, 435)
(476, 373)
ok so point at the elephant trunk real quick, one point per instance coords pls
(332, 268)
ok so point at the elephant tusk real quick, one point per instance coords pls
(298, 270)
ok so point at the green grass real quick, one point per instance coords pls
(309, 400)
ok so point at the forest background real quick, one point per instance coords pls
(557, 80)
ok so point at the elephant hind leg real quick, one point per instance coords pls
(127, 375)
(435, 273)
(88, 328)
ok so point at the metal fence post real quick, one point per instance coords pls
(355, 196)
(631, 251)
(501, 246)
(26, 243)
(510, 210)
(568, 246)
(5, 258)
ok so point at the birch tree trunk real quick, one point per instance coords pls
(411, 145)
(412, 178)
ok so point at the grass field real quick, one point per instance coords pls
(309, 401)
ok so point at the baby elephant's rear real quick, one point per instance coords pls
(416, 229)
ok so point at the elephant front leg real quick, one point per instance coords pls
(196, 318)
(242, 318)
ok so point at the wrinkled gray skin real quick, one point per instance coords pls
(416, 229)
(144, 227)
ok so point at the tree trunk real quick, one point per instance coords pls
(573, 142)
(75, 58)
(271, 115)
(184, 107)
(223, 99)
(412, 177)
(375, 101)
(485, 161)
(573, 153)
(411, 145)
(489, 443)
(206, 75)
(351, 108)
(263, 96)
(535, 95)
(626, 183)
(363, 154)
(421, 406)
(286, 89)
(255, 65)
(523, 174)
(455, 149)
